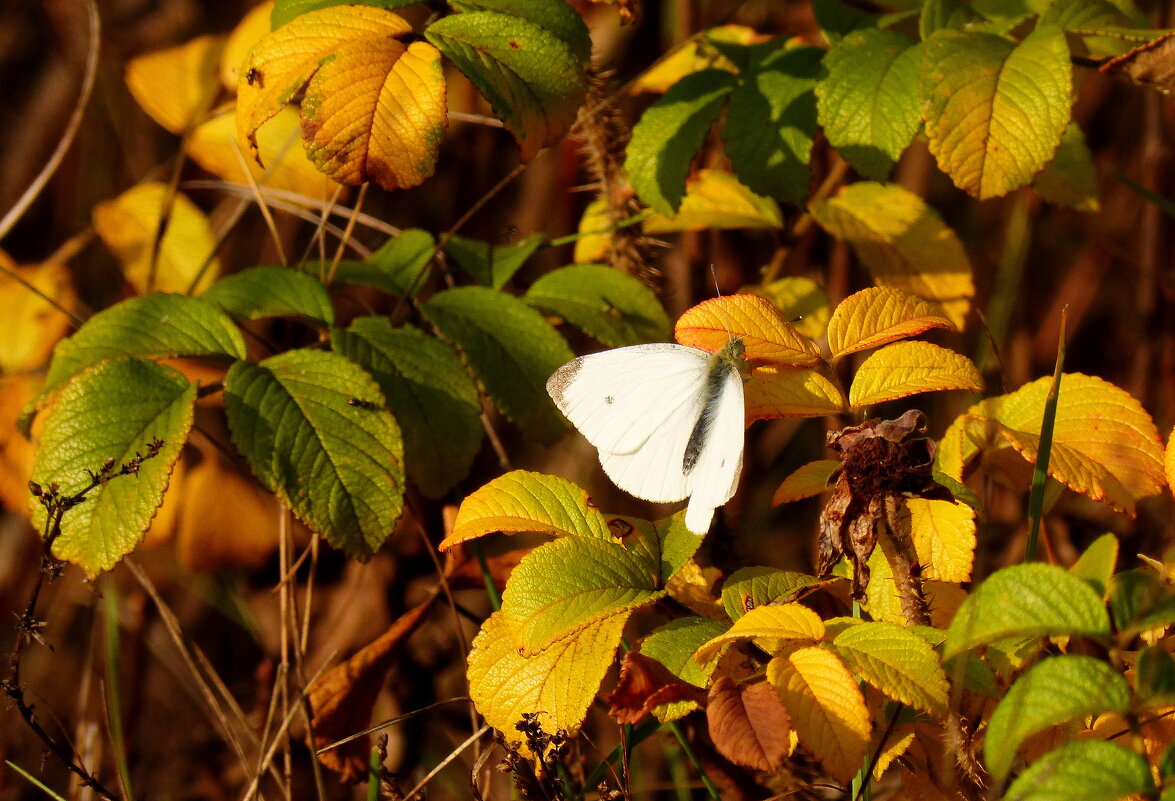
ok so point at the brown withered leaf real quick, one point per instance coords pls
(749, 724)
(644, 685)
(344, 696)
(1152, 64)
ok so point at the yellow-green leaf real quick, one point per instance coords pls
(944, 537)
(558, 684)
(903, 242)
(791, 392)
(697, 54)
(1088, 770)
(129, 223)
(773, 622)
(1070, 179)
(995, 110)
(1096, 563)
(176, 86)
(898, 662)
(523, 501)
(595, 236)
(826, 708)
(805, 482)
(908, 368)
(716, 199)
(878, 316)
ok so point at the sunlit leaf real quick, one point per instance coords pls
(805, 482)
(16, 450)
(283, 11)
(595, 241)
(522, 501)
(1070, 179)
(271, 292)
(673, 645)
(751, 587)
(766, 336)
(1030, 600)
(397, 267)
(716, 199)
(896, 661)
(791, 392)
(611, 306)
(1054, 690)
(940, 15)
(112, 411)
(129, 224)
(693, 56)
(995, 110)
(789, 621)
(826, 708)
(176, 86)
(491, 265)
(903, 242)
(943, 533)
(1089, 770)
(908, 368)
(799, 297)
(33, 325)
(339, 466)
(877, 316)
(749, 724)
(247, 33)
(1096, 563)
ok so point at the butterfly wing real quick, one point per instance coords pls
(714, 478)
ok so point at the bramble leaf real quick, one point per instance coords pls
(896, 661)
(877, 316)
(716, 199)
(491, 265)
(751, 587)
(943, 533)
(797, 296)
(749, 724)
(1070, 179)
(908, 368)
(673, 645)
(33, 324)
(805, 482)
(271, 292)
(791, 392)
(396, 267)
(176, 86)
(766, 336)
(1089, 770)
(789, 621)
(611, 306)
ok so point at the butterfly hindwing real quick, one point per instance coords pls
(714, 478)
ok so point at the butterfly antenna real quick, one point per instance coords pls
(721, 308)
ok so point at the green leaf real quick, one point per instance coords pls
(837, 19)
(1133, 594)
(491, 265)
(612, 307)
(286, 10)
(429, 393)
(1085, 20)
(1070, 179)
(939, 15)
(511, 350)
(396, 267)
(1089, 770)
(1167, 768)
(112, 411)
(157, 325)
(751, 587)
(534, 79)
(868, 105)
(1055, 690)
(553, 15)
(772, 121)
(271, 292)
(896, 661)
(665, 546)
(995, 110)
(1154, 677)
(673, 645)
(339, 466)
(668, 135)
(1096, 565)
(565, 586)
(1033, 600)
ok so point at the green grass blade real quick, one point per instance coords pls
(1044, 450)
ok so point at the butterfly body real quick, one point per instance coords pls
(666, 419)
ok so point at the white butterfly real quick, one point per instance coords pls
(667, 420)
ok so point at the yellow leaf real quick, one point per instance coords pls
(1169, 461)
(883, 600)
(215, 147)
(716, 199)
(243, 38)
(903, 242)
(176, 86)
(806, 482)
(16, 452)
(592, 246)
(1105, 445)
(522, 501)
(908, 368)
(33, 325)
(697, 54)
(878, 316)
(791, 392)
(376, 112)
(772, 622)
(558, 683)
(897, 745)
(128, 224)
(766, 336)
(796, 296)
(826, 708)
(944, 537)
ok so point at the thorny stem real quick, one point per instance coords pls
(28, 628)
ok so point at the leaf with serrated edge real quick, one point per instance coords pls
(491, 265)
(878, 316)
(112, 411)
(533, 78)
(244, 36)
(397, 267)
(338, 466)
(1169, 460)
(805, 482)
(791, 392)
(898, 662)
(943, 533)
(559, 684)
(673, 645)
(1032, 600)
(749, 724)
(902, 241)
(612, 307)
(995, 110)
(511, 350)
(751, 587)
(565, 586)
(668, 135)
(429, 393)
(716, 199)
(177, 85)
(797, 296)
(826, 708)
(908, 368)
(376, 111)
(523, 501)
(283, 11)
(868, 103)
(1056, 689)
(1089, 770)
(766, 336)
(271, 292)
(774, 622)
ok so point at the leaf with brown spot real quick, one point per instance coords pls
(749, 724)
(645, 684)
(344, 697)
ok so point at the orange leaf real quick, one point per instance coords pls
(805, 482)
(344, 697)
(749, 724)
(878, 316)
(766, 336)
(791, 392)
(908, 368)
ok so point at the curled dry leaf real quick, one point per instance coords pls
(644, 685)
